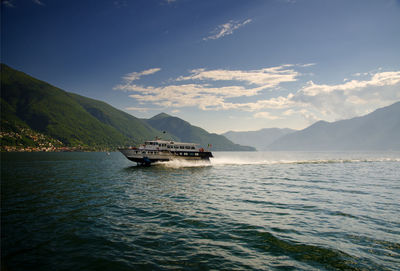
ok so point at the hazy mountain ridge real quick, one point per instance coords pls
(379, 130)
(189, 133)
(259, 139)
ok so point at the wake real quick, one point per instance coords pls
(236, 161)
(225, 161)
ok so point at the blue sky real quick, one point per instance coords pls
(219, 64)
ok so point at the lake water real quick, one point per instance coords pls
(243, 211)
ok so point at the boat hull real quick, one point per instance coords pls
(148, 157)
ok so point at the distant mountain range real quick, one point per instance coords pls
(260, 139)
(35, 113)
(189, 133)
(379, 130)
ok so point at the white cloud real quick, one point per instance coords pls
(377, 80)
(38, 2)
(307, 65)
(226, 29)
(202, 96)
(130, 77)
(352, 98)
(266, 115)
(267, 77)
(306, 114)
(206, 95)
(272, 103)
(120, 3)
(8, 3)
(230, 89)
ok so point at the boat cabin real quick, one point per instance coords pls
(169, 146)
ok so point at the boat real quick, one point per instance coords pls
(162, 151)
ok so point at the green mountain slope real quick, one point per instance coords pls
(130, 126)
(186, 132)
(72, 119)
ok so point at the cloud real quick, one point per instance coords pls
(202, 96)
(8, 3)
(307, 65)
(120, 3)
(266, 115)
(38, 2)
(267, 77)
(207, 94)
(280, 102)
(130, 77)
(242, 90)
(226, 29)
(377, 80)
(352, 98)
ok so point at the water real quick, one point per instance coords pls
(243, 211)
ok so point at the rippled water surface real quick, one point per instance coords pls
(243, 211)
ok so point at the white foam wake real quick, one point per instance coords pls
(236, 161)
(179, 163)
(260, 159)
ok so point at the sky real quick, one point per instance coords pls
(239, 65)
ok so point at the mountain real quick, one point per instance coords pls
(40, 116)
(260, 139)
(379, 130)
(31, 108)
(189, 133)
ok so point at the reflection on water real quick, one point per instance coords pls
(259, 210)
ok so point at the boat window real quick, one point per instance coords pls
(187, 147)
(185, 153)
(168, 146)
(196, 154)
(193, 147)
(181, 147)
(176, 147)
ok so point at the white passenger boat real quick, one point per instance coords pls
(162, 150)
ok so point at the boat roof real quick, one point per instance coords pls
(159, 141)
